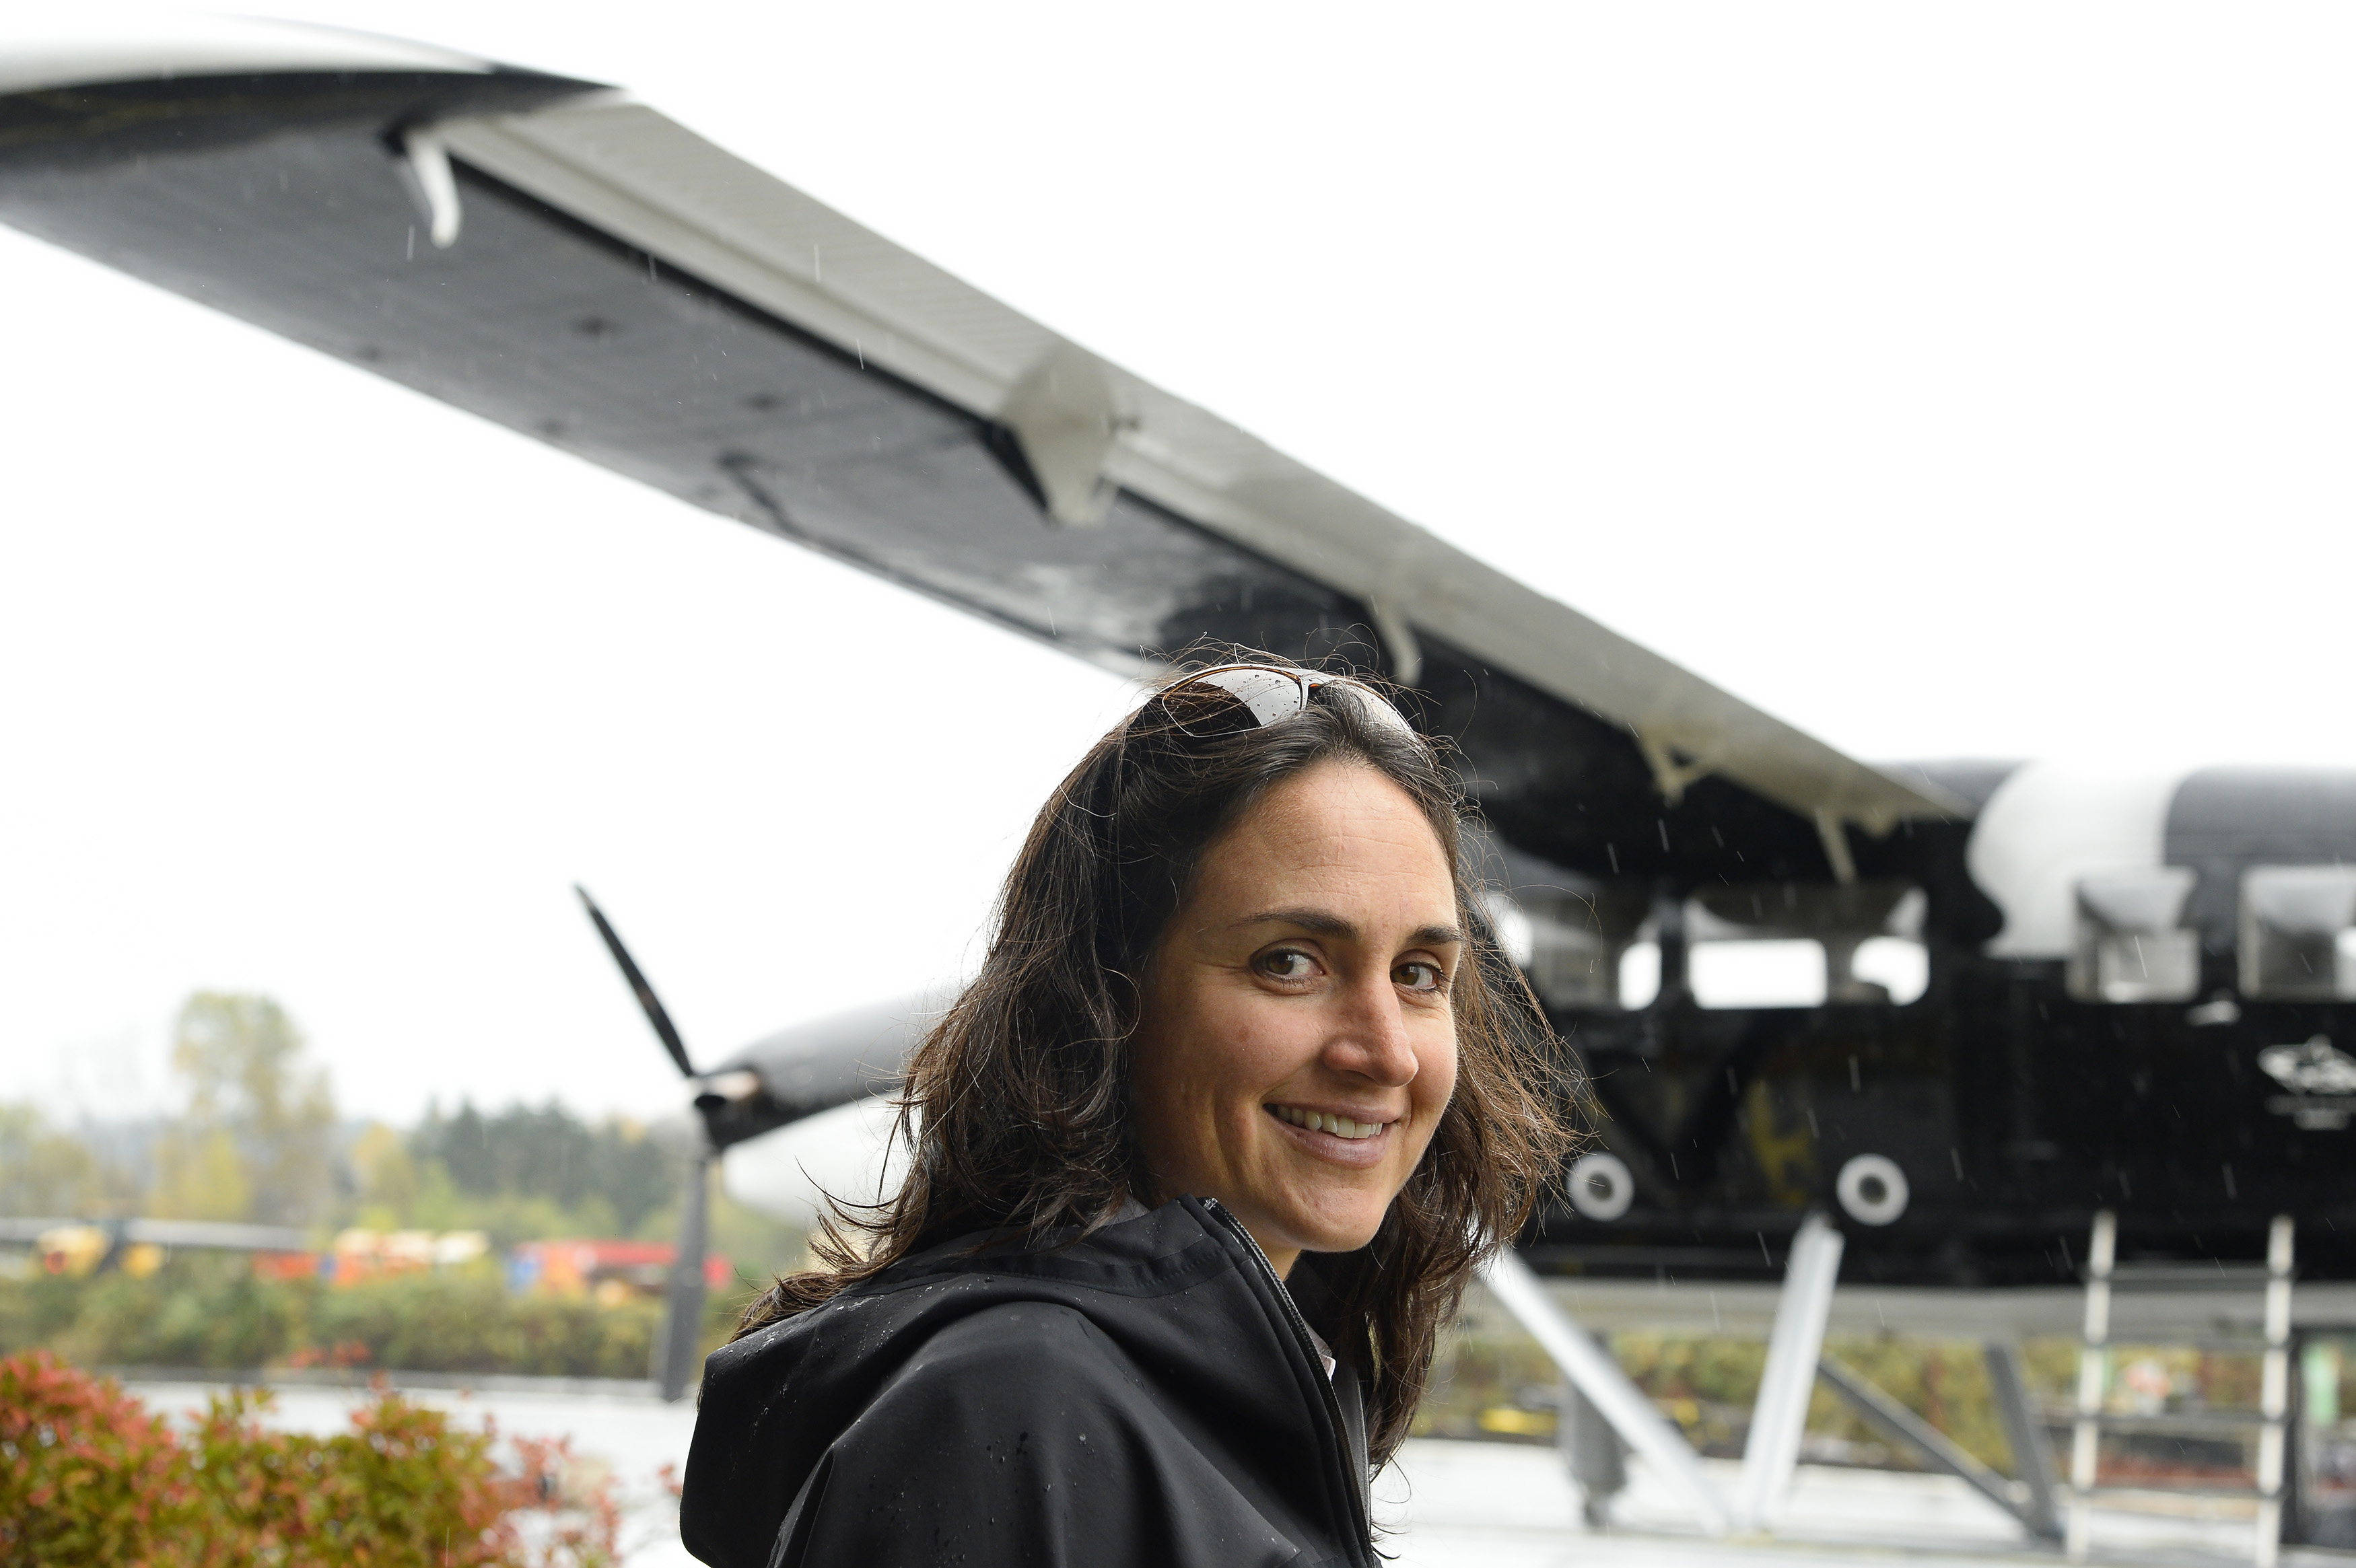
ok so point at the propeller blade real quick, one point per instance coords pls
(647, 999)
(675, 1359)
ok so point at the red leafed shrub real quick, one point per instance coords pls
(87, 1474)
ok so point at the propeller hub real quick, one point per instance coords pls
(726, 1089)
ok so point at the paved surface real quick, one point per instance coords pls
(1446, 1504)
(1481, 1505)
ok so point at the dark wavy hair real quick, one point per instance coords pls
(1015, 1107)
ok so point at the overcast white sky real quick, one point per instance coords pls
(1947, 380)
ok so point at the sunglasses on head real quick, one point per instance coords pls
(1270, 694)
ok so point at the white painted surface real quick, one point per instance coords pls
(1585, 1363)
(2049, 824)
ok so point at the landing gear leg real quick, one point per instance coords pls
(1794, 1347)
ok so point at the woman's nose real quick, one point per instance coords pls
(1372, 1040)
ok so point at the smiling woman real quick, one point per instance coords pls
(1293, 1061)
(1200, 1164)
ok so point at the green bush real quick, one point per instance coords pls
(213, 1312)
(87, 1474)
(1490, 1378)
(36, 1309)
(461, 1323)
(206, 1311)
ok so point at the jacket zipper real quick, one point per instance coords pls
(1355, 1487)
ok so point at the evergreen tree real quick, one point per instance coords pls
(546, 1152)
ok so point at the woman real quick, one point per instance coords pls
(1201, 1163)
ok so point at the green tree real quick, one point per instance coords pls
(388, 1177)
(258, 1140)
(43, 1172)
(547, 1152)
(200, 1175)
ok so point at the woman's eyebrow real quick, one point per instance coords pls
(1325, 922)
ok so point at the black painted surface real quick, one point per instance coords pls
(2015, 1111)
(90, 131)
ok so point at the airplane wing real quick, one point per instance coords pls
(200, 1234)
(554, 256)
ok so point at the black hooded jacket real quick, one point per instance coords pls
(1150, 1395)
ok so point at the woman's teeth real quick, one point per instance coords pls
(1319, 1122)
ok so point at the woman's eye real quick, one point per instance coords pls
(1419, 976)
(1287, 965)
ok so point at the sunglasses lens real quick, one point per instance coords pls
(1373, 706)
(1271, 694)
(1230, 701)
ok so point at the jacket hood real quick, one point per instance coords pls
(1178, 1299)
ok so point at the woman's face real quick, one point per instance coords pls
(1297, 1046)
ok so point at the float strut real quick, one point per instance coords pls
(1591, 1370)
(1794, 1348)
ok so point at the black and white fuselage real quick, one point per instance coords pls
(2138, 995)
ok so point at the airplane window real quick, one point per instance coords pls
(1640, 976)
(1899, 964)
(1803, 944)
(2131, 944)
(1574, 945)
(2298, 932)
(1773, 972)
(1794, 945)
